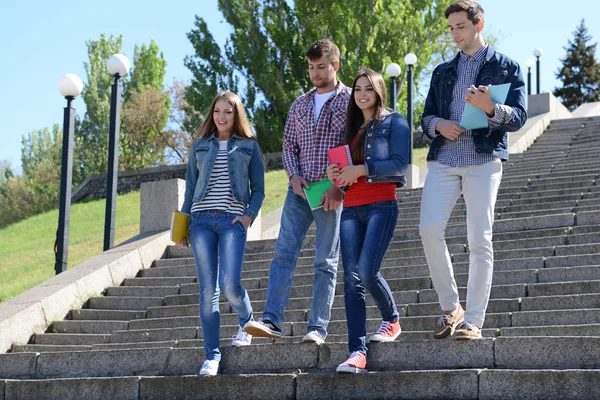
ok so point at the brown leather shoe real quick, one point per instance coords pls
(467, 331)
(447, 322)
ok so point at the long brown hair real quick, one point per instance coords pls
(241, 125)
(355, 121)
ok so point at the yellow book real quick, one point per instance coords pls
(179, 226)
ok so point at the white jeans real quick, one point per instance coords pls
(479, 186)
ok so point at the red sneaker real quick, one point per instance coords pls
(356, 364)
(387, 332)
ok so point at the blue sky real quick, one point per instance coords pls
(41, 40)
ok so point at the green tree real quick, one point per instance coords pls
(580, 72)
(144, 117)
(39, 146)
(182, 120)
(269, 38)
(145, 111)
(149, 69)
(91, 133)
(5, 174)
(37, 190)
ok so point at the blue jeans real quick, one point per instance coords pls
(212, 234)
(295, 220)
(366, 232)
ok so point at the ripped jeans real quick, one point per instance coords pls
(212, 235)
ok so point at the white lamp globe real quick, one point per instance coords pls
(70, 85)
(393, 70)
(410, 59)
(118, 64)
(538, 52)
(530, 63)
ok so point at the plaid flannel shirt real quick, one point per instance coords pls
(305, 143)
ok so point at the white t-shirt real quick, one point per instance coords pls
(320, 100)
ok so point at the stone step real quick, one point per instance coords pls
(529, 271)
(118, 315)
(561, 302)
(563, 288)
(552, 330)
(124, 303)
(171, 266)
(537, 311)
(47, 348)
(466, 384)
(502, 352)
(556, 317)
(97, 327)
(68, 339)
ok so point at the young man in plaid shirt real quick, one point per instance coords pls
(315, 124)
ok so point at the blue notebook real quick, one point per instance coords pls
(474, 118)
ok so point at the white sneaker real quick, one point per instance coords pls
(210, 367)
(313, 337)
(242, 338)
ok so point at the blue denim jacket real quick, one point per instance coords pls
(387, 150)
(245, 165)
(497, 69)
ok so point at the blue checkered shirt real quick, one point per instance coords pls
(461, 152)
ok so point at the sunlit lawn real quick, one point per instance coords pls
(27, 247)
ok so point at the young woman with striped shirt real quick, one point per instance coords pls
(224, 192)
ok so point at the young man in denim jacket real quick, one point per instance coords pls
(315, 124)
(467, 162)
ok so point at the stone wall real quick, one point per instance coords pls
(94, 186)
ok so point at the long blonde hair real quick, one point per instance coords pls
(241, 125)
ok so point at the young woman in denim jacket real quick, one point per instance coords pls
(378, 143)
(224, 191)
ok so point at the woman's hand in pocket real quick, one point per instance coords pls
(244, 219)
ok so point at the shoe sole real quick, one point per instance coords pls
(240, 344)
(344, 369)
(384, 339)
(313, 341)
(464, 337)
(261, 332)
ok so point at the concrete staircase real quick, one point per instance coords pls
(142, 340)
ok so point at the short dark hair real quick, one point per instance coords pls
(322, 48)
(473, 9)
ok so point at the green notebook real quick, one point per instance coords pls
(316, 191)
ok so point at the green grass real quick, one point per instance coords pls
(27, 247)
(420, 156)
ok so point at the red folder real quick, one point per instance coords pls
(340, 155)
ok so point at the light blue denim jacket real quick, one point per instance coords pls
(386, 150)
(246, 171)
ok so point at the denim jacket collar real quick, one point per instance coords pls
(213, 136)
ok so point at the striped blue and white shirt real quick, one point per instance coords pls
(219, 196)
(461, 152)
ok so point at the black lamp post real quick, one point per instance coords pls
(537, 53)
(118, 65)
(69, 86)
(393, 71)
(529, 64)
(410, 60)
